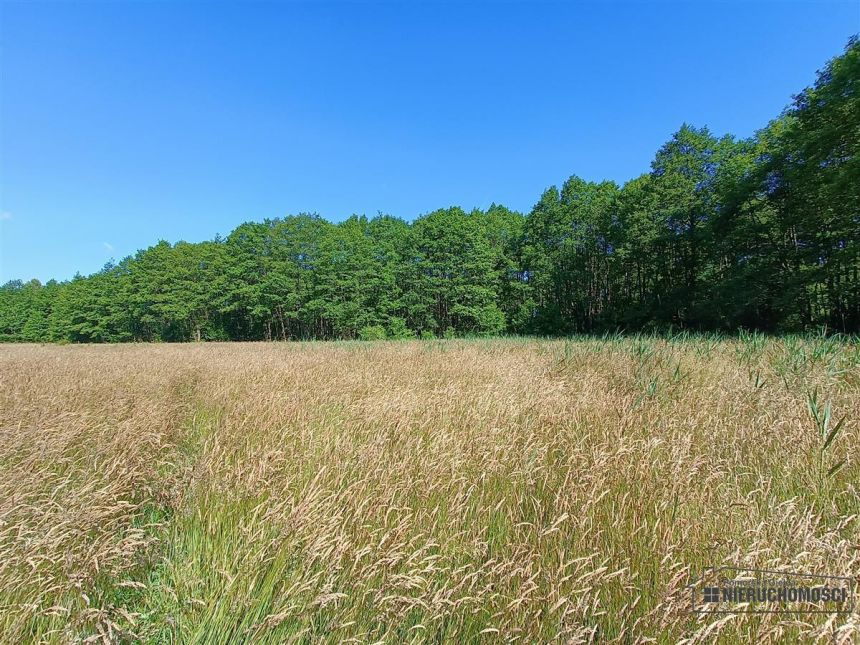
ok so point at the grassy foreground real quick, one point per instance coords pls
(441, 491)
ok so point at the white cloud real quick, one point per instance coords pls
(5, 215)
(108, 246)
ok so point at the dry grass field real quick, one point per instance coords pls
(421, 491)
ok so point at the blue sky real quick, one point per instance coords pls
(122, 123)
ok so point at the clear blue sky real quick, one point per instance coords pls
(122, 123)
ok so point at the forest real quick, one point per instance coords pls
(722, 233)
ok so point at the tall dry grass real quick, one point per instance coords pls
(445, 491)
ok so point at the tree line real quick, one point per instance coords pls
(722, 233)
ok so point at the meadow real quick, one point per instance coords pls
(508, 490)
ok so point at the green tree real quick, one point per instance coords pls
(452, 274)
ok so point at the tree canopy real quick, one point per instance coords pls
(721, 234)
